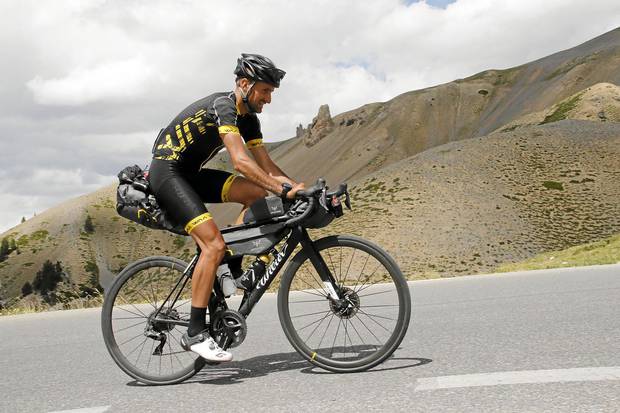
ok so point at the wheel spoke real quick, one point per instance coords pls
(369, 330)
(308, 325)
(319, 281)
(362, 271)
(128, 318)
(377, 306)
(333, 269)
(350, 262)
(327, 328)
(128, 327)
(138, 346)
(317, 294)
(309, 314)
(131, 339)
(317, 327)
(147, 283)
(363, 344)
(131, 304)
(335, 337)
(367, 278)
(307, 301)
(377, 293)
(372, 318)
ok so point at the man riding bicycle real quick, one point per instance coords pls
(182, 186)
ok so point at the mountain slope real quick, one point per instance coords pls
(369, 138)
(465, 207)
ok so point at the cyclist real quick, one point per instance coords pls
(182, 185)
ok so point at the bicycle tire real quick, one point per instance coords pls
(166, 268)
(288, 301)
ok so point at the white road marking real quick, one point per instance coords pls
(519, 377)
(98, 409)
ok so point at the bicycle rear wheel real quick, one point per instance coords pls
(149, 350)
(365, 326)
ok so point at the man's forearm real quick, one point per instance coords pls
(250, 169)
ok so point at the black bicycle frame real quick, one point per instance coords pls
(298, 235)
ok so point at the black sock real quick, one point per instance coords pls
(196, 321)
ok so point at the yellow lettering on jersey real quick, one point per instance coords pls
(188, 134)
(168, 145)
(177, 129)
(200, 125)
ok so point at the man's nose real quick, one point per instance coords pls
(268, 98)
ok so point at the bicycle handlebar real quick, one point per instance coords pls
(310, 195)
(304, 215)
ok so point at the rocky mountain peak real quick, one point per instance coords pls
(321, 126)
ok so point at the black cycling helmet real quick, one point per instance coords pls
(257, 67)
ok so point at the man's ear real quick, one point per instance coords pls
(244, 83)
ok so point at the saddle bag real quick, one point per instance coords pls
(136, 202)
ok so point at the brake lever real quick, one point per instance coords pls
(323, 199)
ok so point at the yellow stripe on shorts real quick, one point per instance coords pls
(254, 143)
(226, 187)
(228, 129)
(197, 221)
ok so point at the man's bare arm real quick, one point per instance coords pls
(247, 166)
(263, 160)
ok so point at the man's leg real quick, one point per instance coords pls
(212, 246)
(244, 192)
(211, 243)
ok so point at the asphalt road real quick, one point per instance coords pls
(537, 341)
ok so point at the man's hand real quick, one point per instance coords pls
(297, 187)
(283, 179)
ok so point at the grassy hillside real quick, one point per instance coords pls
(605, 251)
(469, 206)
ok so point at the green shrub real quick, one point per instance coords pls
(561, 112)
(553, 185)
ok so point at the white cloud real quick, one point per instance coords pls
(90, 83)
(110, 81)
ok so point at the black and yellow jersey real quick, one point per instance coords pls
(193, 136)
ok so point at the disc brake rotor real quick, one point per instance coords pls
(347, 306)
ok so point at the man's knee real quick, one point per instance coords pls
(209, 240)
(254, 195)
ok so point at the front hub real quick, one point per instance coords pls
(348, 306)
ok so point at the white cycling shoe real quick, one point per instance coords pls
(205, 346)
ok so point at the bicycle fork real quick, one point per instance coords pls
(329, 282)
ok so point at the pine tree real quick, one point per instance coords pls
(47, 278)
(88, 225)
(4, 249)
(26, 289)
(58, 270)
(12, 245)
(23, 219)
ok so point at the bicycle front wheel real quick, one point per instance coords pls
(142, 325)
(365, 326)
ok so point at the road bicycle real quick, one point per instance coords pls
(343, 302)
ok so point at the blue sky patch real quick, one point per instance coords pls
(435, 3)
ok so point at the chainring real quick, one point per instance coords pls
(228, 328)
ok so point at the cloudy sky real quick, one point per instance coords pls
(87, 84)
